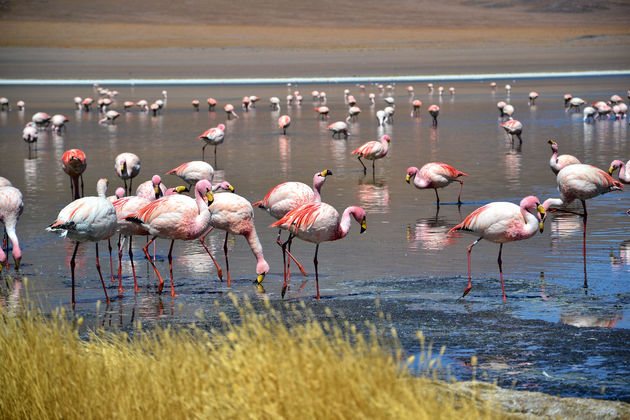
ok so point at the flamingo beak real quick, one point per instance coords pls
(363, 225)
(260, 278)
(611, 170)
(541, 224)
(408, 178)
(122, 168)
(157, 190)
(551, 142)
(326, 172)
(181, 189)
(231, 188)
(210, 198)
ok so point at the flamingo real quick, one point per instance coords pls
(493, 85)
(74, 164)
(373, 150)
(127, 105)
(620, 110)
(41, 120)
(353, 113)
(567, 99)
(513, 128)
(581, 182)
(211, 104)
(274, 103)
(175, 217)
(508, 110)
(320, 222)
(435, 175)
(372, 98)
(118, 194)
(434, 110)
(558, 162)
(229, 110)
(235, 215)
(11, 207)
(87, 219)
(575, 104)
(30, 135)
(4, 104)
(127, 166)
(284, 122)
(417, 104)
(110, 116)
(86, 104)
(245, 103)
(59, 122)
(252, 101)
(21, 105)
(430, 87)
(77, 102)
(338, 128)
(195, 104)
(624, 171)
(389, 112)
(502, 222)
(287, 196)
(322, 111)
(381, 117)
(589, 113)
(532, 98)
(151, 190)
(193, 172)
(616, 99)
(213, 136)
(143, 105)
(5, 182)
(351, 100)
(500, 106)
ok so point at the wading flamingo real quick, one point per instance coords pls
(211, 104)
(513, 128)
(41, 120)
(151, 190)
(320, 222)
(624, 171)
(373, 150)
(434, 110)
(322, 111)
(175, 217)
(558, 162)
(87, 219)
(502, 222)
(338, 128)
(417, 104)
(284, 122)
(74, 163)
(58, 122)
(193, 172)
(213, 136)
(435, 175)
(110, 116)
(11, 206)
(532, 98)
(30, 135)
(127, 166)
(229, 110)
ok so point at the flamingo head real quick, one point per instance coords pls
(614, 165)
(411, 173)
(156, 181)
(320, 177)
(221, 126)
(386, 138)
(223, 186)
(262, 268)
(120, 192)
(554, 145)
(101, 186)
(360, 216)
(204, 188)
(531, 204)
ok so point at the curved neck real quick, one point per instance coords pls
(317, 187)
(553, 203)
(254, 243)
(344, 224)
(420, 181)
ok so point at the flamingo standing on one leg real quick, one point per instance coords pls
(285, 197)
(127, 166)
(373, 150)
(11, 206)
(435, 175)
(74, 164)
(87, 219)
(175, 217)
(581, 182)
(434, 110)
(213, 136)
(284, 122)
(320, 222)
(502, 222)
(234, 214)
(558, 162)
(193, 172)
(624, 171)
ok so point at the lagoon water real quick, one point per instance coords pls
(552, 335)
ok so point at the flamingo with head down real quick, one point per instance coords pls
(435, 175)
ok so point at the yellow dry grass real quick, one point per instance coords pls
(262, 367)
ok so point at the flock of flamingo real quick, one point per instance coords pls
(157, 212)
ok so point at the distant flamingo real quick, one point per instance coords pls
(229, 110)
(284, 122)
(353, 113)
(21, 105)
(252, 101)
(211, 104)
(193, 172)
(59, 123)
(11, 207)
(88, 219)
(151, 190)
(74, 164)
(274, 103)
(558, 162)
(502, 222)
(575, 104)
(320, 222)
(322, 111)
(4, 104)
(624, 170)
(235, 215)
(567, 99)
(500, 106)
(213, 136)
(435, 175)
(175, 217)
(373, 150)
(195, 104)
(417, 104)
(508, 110)
(372, 98)
(513, 128)
(110, 116)
(86, 104)
(127, 166)
(127, 105)
(30, 134)
(532, 98)
(434, 110)
(41, 120)
(381, 117)
(338, 128)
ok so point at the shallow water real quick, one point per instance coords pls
(552, 334)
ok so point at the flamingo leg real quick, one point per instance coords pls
(584, 243)
(300, 266)
(120, 247)
(203, 151)
(72, 265)
(216, 264)
(111, 262)
(98, 268)
(316, 272)
(469, 275)
(133, 269)
(500, 262)
(145, 249)
(361, 162)
(170, 267)
(373, 165)
(215, 155)
(227, 264)
(437, 197)
(459, 197)
(82, 192)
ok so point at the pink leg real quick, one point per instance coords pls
(157, 273)
(170, 267)
(98, 268)
(584, 244)
(133, 269)
(300, 266)
(216, 264)
(120, 289)
(111, 262)
(316, 272)
(501, 270)
(469, 274)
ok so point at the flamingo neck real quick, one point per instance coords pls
(317, 187)
(344, 224)
(421, 182)
(553, 203)
(254, 243)
(624, 174)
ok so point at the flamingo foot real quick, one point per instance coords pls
(467, 290)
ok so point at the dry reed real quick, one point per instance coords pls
(261, 367)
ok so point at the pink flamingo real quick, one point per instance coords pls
(285, 197)
(195, 104)
(284, 122)
(435, 175)
(558, 162)
(581, 182)
(373, 150)
(353, 113)
(235, 215)
(338, 128)
(41, 119)
(417, 104)
(87, 219)
(110, 116)
(320, 222)
(127, 166)
(213, 136)
(30, 135)
(127, 105)
(624, 171)
(59, 122)
(211, 104)
(532, 98)
(513, 128)
(322, 111)
(86, 104)
(11, 206)
(502, 222)
(175, 217)
(193, 172)
(434, 110)
(151, 190)
(229, 110)
(118, 194)
(74, 164)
